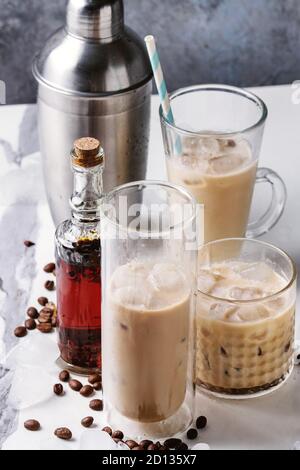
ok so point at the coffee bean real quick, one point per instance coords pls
(152, 447)
(131, 444)
(28, 243)
(87, 422)
(117, 434)
(97, 386)
(32, 312)
(172, 443)
(30, 324)
(20, 331)
(45, 317)
(45, 327)
(94, 378)
(58, 389)
(42, 301)
(163, 448)
(75, 385)
(49, 285)
(138, 448)
(49, 268)
(64, 376)
(145, 443)
(87, 391)
(182, 446)
(192, 434)
(63, 433)
(201, 422)
(32, 425)
(107, 429)
(96, 405)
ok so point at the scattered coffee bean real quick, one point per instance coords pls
(58, 389)
(94, 378)
(131, 444)
(152, 447)
(49, 285)
(49, 268)
(45, 316)
(201, 422)
(182, 446)
(192, 434)
(96, 405)
(75, 385)
(32, 425)
(87, 391)
(97, 386)
(107, 429)
(20, 331)
(87, 422)
(28, 243)
(63, 433)
(117, 434)
(32, 312)
(145, 443)
(172, 443)
(64, 376)
(45, 327)
(30, 324)
(42, 301)
(162, 448)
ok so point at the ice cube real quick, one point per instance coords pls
(246, 293)
(259, 271)
(131, 296)
(224, 311)
(206, 280)
(166, 277)
(36, 350)
(201, 446)
(253, 313)
(226, 163)
(132, 274)
(208, 147)
(30, 385)
(96, 440)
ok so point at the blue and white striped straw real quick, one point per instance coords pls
(159, 78)
(161, 86)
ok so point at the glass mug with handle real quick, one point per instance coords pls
(213, 151)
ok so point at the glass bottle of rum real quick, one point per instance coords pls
(78, 264)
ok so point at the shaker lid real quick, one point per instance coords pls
(94, 53)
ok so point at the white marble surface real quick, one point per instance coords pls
(265, 423)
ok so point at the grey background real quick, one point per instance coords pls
(241, 42)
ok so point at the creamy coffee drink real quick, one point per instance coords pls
(221, 175)
(246, 345)
(147, 334)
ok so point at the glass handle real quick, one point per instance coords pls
(274, 211)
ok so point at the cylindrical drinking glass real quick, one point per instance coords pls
(149, 246)
(212, 150)
(245, 317)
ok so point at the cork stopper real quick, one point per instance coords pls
(87, 152)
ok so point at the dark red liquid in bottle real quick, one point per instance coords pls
(79, 303)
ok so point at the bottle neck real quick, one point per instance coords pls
(87, 194)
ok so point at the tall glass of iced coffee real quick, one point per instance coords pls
(149, 246)
(212, 149)
(245, 317)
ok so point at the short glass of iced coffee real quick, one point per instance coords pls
(245, 318)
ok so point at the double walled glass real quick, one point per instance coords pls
(212, 150)
(245, 318)
(149, 246)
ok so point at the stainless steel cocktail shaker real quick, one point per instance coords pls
(94, 79)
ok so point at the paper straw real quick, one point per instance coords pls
(161, 86)
(159, 78)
